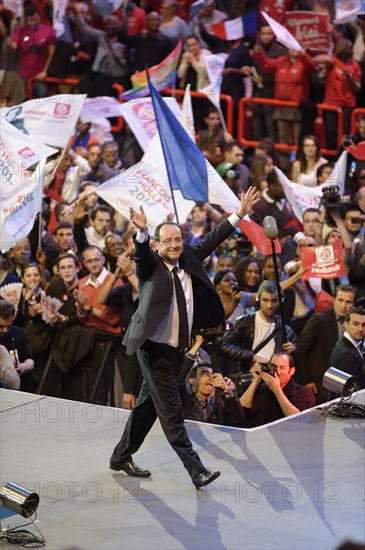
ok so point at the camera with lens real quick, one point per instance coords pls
(212, 333)
(268, 367)
(331, 197)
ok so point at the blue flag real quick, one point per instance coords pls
(185, 164)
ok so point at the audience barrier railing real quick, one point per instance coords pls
(225, 100)
(354, 115)
(242, 117)
(74, 82)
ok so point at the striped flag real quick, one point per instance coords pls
(162, 76)
(233, 29)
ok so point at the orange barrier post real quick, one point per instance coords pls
(283, 146)
(52, 80)
(326, 107)
(355, 112)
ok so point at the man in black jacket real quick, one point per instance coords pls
(318, 338)
(348, 353)
(176, 296)
(257, 336)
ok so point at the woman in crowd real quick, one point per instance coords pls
(192, 69)
(29, 315)
(6, 275)
(233, 299)
(261, 167)
(307, 162)
(172, 25)
(248, 273)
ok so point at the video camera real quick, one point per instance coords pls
(331, 197)
(214, 332)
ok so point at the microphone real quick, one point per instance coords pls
(270, 227)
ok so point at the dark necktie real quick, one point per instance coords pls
(183, 314)
(361, 348)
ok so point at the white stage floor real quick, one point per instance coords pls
(294, 484)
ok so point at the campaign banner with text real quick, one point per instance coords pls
(19, 209)
(51, 119)
(324, 262)
(17, 153)
(140, 117)
(141, 184)
(310, 29)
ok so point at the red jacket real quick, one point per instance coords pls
(338, 90)
(291, 79)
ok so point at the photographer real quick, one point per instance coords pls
(279, 396)
(207, 396)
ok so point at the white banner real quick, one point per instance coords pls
(140, 117)
(282, 34)
(141, 184)
(52, 119)
(59, 11)
(187, 116)
(17, 153)
(214, 65)
(15, 6)
(302, 197)
(347, 11)
(100, 107)
(19, 209)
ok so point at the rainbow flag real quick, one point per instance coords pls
(162, 76)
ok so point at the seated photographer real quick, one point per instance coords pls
(206, 395)
(258, 335)
(273, 393)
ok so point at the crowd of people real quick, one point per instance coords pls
(269, 365)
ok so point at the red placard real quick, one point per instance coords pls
(310, 29)
(325, 262)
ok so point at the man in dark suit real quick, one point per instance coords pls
(175, 296)
(318, 338)
(348, 353)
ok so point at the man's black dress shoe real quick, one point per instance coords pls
(130, 468)
(204, 478)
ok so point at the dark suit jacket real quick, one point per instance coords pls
(156, 288)
(237, 345)
(315, 345)
(345, 357)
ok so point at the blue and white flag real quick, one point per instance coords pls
(186, 166)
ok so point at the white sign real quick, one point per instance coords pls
(52, 119)
(140, 116)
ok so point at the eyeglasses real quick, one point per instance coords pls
(93, 260)
(306, 245)
(167, 242)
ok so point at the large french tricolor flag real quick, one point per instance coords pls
(234, 29)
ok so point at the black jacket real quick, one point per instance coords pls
(237, 345)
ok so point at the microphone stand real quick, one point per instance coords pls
(280, 296)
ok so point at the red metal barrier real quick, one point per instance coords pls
(355, 112)
(224, 98)
(242, 110)
(74, 82)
